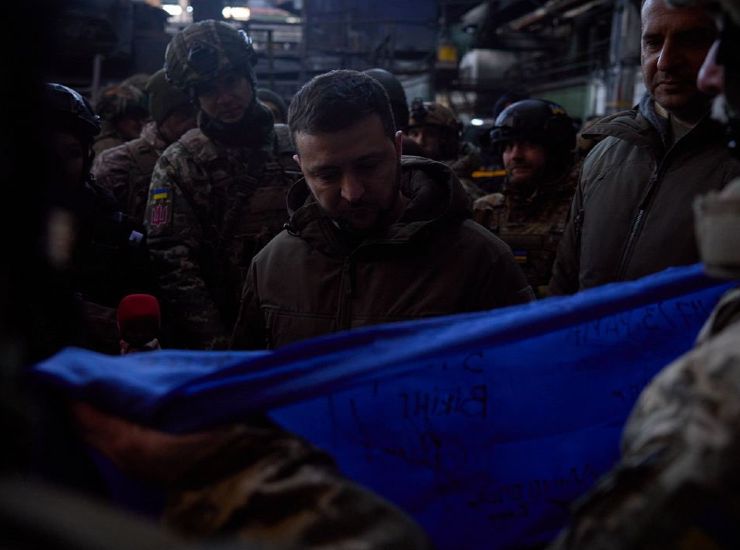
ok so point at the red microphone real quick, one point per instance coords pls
(139, 322)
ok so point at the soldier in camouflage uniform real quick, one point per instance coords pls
(217, 195)
(126, 170)
(536, 140)
(123, 111)
(434, 128)
(678, 482)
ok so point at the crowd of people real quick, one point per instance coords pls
(193, 209)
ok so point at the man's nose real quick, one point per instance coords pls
(222, 94)
(352, 188)
(517, 150)
(669, 56)
(711, 77)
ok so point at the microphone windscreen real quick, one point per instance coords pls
(139, 318)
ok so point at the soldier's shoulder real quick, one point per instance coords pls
(193, 144)
(703, 383)
(112, 159)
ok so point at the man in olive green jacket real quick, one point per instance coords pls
(631, 215)
(372, 238)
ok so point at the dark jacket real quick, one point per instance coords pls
(434, 261)
(632, 213)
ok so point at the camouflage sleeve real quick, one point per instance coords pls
(112, 171)
(269, 486)
(250, 331)
(566, 268)
(677, 483)
(176, 245)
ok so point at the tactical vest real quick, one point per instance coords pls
(533, 233)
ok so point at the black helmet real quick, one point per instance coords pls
(396, 94)
(68, 110)
(536, 120)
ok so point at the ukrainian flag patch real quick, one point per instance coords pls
(160, 194)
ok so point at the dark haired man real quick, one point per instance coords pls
(631, 214)
(372, 237)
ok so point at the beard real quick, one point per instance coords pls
(383, 215)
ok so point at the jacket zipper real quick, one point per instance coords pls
(637, 223)
(346, 293)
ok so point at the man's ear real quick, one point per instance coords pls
(298, 160)
(399, 143)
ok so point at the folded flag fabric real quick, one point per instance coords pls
(483, 426)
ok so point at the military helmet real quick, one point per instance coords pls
(119, 100)
(426, 113)
(396, 94)
(205, 50)
(69, 110)
(164, 98)
(535, 120)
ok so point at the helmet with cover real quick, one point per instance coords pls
(206, 50)
(121, 100)
(426, 114)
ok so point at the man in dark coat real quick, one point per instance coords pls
(372, 237)
(631, 214)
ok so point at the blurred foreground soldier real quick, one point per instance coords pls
(99, 247)
(126, 170)
(217, 195)
(435, 129)
(631, 214)
(372, 237)
(678, 482)
(123, 110)
(535, 139)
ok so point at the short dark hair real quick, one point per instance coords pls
(335, 100)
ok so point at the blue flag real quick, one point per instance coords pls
(484, 427)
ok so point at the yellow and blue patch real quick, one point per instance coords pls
(160, 194)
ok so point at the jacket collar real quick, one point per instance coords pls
(434, 194)
(151, 135)
(645, 128)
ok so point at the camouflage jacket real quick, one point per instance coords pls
(678, 482)
(272, 488)
(107, 138)
(126, 170)
(210, 209)
(531, 225)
